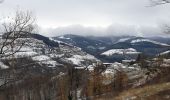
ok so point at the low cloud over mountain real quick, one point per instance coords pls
(113, 30)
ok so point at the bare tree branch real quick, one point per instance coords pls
(19, 27)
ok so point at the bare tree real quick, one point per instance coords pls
(15, 33)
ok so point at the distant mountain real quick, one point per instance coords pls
(46, 40)
(90, 45)
(143, 45)
(97, 45)
(139, 44)
(161, 39)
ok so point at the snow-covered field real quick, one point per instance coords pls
(120, 52)
(78, 59)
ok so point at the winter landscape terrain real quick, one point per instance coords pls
(84, 50)
(54, 58)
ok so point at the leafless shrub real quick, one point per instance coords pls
(16, 32)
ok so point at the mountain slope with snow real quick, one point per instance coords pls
(150, 41)
(98, 45)
(50, 53)
(120, 52)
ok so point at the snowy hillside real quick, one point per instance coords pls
(45, 55)
(105, 47)
(165, 53)
(123, 39)
(120, 52)
(147, 40)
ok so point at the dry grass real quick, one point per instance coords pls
(144, 92)
(150, 92)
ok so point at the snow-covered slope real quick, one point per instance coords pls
(62, 37)
(45, 55)
(78, 59)
(120, 52)
(165, 53)
(123, 39)
(148, 40)
(111, 45)
(133, 71)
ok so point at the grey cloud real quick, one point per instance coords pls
(89, 16)
(112, 30)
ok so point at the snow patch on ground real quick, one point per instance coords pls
(62, 37)
(55, 40)
(113, 66)
(132, 71)
(77, 59)
(120, 51)
(164, 53)
(43, 59)
(167, 61)
(147, 40)
(56, 55)
(24, 54)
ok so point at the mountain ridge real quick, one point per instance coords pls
(95, 46)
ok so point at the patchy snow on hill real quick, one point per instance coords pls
(45, 55)
(56, 55)
(24, 54)
(55, 40)
(113, 67)
(166, 63)
(123, 39)
(78, 59)
(120, 52)
(132, 71)
(84, 57)
(62, 37)
(147, 40)
(164, 53)
(75, 61)
(43, 59)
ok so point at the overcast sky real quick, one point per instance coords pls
(97, 17)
